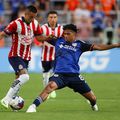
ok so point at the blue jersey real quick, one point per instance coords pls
(67, 55)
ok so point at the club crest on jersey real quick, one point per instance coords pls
(26, 40)
(61, 46)
(74, 44)
(20, 67)
(55, 75)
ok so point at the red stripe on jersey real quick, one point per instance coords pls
(58, 31)
(41, 30)
(21, 49)
(45, 53)
(47, 31)
(48, 52)
(13, 51)
(51, 53)
(28, 53)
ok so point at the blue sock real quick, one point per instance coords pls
(38, 101)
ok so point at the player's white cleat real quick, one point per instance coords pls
(95, 108)
(4, 102)
(31, 109)
(52, 94)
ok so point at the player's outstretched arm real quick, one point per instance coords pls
(105, 47)
(42, 38)
(2, 34)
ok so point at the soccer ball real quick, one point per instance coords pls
(17, 103)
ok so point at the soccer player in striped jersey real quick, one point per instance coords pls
(48, 49)
(22, 31)
(66, 72)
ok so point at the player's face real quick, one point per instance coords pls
(69, 35)
(52, 19)
(29, 16)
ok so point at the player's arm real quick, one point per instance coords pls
(2, 34)
(105, 47)
(42, 38)
(10, 29)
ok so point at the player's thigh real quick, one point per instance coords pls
(59, 80)
(78, 84)
(19, 65)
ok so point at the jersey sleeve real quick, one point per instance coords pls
(11, 28)
(86, 47)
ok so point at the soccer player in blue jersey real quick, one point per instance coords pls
(66, 69)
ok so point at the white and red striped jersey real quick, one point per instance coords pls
(22, 37)
(48, 51)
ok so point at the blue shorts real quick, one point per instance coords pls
(18, 63)
(73, 81)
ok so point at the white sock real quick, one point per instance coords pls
(46, 77)
(16, 86)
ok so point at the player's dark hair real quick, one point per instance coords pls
(32, 8)
(70, 27)
(52, 12)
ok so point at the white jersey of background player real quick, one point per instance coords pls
(48, 50)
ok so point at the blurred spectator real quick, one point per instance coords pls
(44, 5)
(71, 5)
(2, 21)
(118, 33)
(108, 6)
(109, 30)
(98, 17)
(118, 3)
(84, 30)
(81, 12)
(82, 19)
(2, 43)
(27, 2)
(21, 10)
(90, 4)
(1, 7)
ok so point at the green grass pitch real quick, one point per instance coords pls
(68, 105)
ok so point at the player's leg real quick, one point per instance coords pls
(92, 99)
(55, 82)
(51, 86)
(22, 76)
(47, 67)
(82, 87)
(46, 72)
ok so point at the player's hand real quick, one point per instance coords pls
(52, 37)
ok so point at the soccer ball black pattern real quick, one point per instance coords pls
(17, 103)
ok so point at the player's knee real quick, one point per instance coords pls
(24, 78)
(52, 85)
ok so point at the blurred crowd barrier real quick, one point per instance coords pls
(97, 61)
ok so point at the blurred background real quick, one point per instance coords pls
(98, 21)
